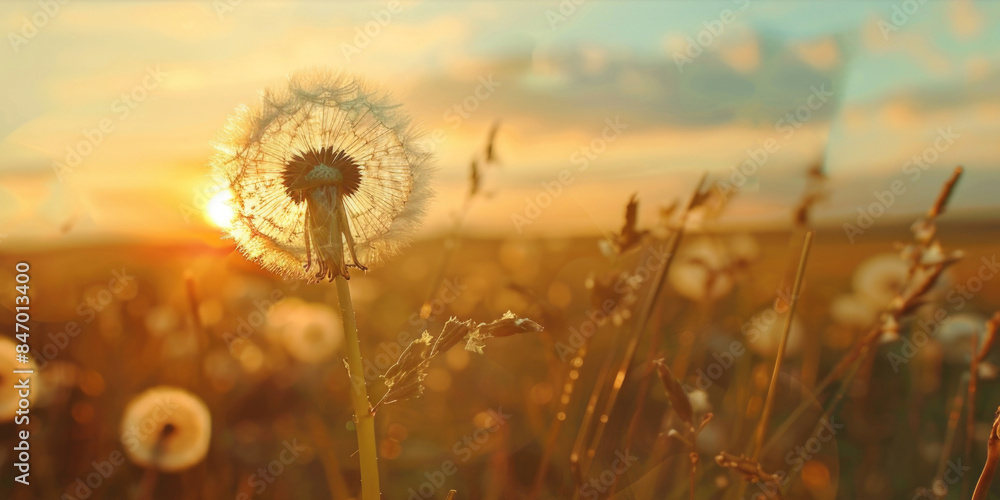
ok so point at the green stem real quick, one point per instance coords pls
(363, 417)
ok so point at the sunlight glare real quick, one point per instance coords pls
(218, 211)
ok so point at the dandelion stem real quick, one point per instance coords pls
(769, 402)
(147, 484)
(363, 416)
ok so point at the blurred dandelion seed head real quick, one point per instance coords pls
(325, 174)
(880, 278)
(702, 272)
(310, 332)
(956, 333)
(166, 428)
(767, 331)
(852, 310)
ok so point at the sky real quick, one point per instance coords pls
(108, 109)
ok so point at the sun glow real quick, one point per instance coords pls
(218, 211)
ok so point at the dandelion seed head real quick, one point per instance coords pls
(325, 173)
(166, 428)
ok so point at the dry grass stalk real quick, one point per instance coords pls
(982, 491)
(927, 262)
(576, 455)
(550, 441)
(681, 405)
(643, 390)
(640, 324)
(404, 378)
(796, 290)
(327, 455)
(750, 469)
(945, 194)
(979, 354)
(477, 165)
(489, 153)
(951, 429)
(815, 192)
(675, 392)
(605, 288)
(629, 237)
(193, 303)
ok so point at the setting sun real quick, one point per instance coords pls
(218, 211)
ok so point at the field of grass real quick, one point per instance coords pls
(112, 321)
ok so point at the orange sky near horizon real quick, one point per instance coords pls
(110, 108)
